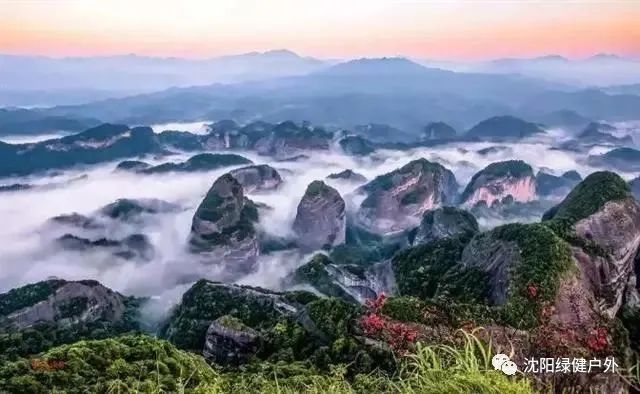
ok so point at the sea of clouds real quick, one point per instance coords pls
(29, 253)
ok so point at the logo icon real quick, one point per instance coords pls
(502, 362)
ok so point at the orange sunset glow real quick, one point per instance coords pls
(330, 28)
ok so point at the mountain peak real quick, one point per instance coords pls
(385, 65)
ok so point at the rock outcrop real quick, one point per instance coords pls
(257, 178)
(444, 222)
(350, 282)
(102, 143)
(349, 176)
(60, 302)
(396, 201)
(200, 162)
(135, 246)
(207, 301)
(229, 342)
(132, 166)
(356, 145)
(222, 231)
(321, 218)
(503, 128)
(551, 185)
(287, 140)
(602, 213)
(126, 209)
(620, 159)
(438, 131)
(498, 181)
(599, 134)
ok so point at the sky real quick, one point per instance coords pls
(445, 30)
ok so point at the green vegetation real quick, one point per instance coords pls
(433, 272)
(43, 336)
(123, 364)
(315, 273)
(587, 198)
(420, 271)
(545, 260)
(206, 301)
(333, 317)
(28, 295)
(317, 188)
(143, 364)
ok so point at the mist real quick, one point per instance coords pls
(30, 253)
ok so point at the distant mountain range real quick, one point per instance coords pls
(598, 70)
(37, 80)
(392, 91)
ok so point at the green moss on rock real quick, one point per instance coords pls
(587, 198)
(545, 259)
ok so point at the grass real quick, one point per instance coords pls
(430, 369)
(465, 369)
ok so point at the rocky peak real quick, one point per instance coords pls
(356, 145)
(287, 140)
(499, 180)
(549, 184)
(351, 282)
(599, 133)
(207, 301)
(503, 128)
(438, 131)
(223, 227)
(396, 201)
(445, 222)
(126, 208)
(348, 175)
(200, 162)
(321, 218)
(604, 216)
(257, 178)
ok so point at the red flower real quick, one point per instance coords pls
(597, 340)
(377, 304)
(533, 291)
(372, 324)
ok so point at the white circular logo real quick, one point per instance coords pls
(498, 360)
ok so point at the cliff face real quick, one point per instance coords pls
(321, 219)
(444, 222)
(223, 230)
(257, 178)
(499, 181)
(396, 201)
(60, 302)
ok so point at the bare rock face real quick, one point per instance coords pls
(503, 181)
(350, 282)
(445, 222)
(615, 229)
(321, 218)
(223, 230)
(229, 342)
(602, 213)
(396, 201)
(60, 302)
(257, 178)
(287, 140)
(348, 176)
(496, 257)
